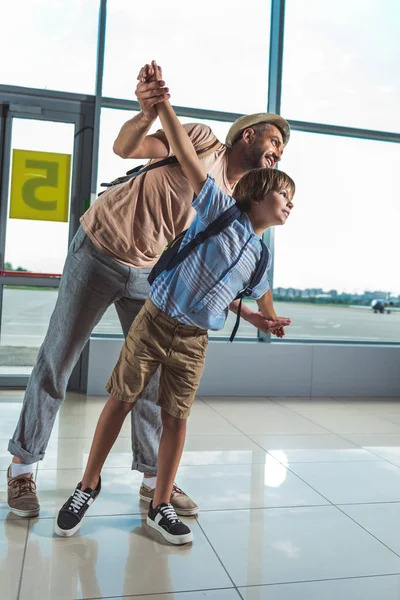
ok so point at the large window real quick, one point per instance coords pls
(336, 258)
(339, 248)
(214, 54)
(341, 63)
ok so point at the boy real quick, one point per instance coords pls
(171, 329)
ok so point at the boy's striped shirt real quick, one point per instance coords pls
(200, 289)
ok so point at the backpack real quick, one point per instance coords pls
(171, 160)
(173, 255)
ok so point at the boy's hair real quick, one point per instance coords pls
(257, 183)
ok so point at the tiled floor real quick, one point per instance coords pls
(299, 498)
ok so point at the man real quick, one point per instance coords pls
(120, 238)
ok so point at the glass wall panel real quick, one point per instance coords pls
(50, 45)
(24, 321)
(341, 63)
(34, 244)
(211, 58)
(338, 252)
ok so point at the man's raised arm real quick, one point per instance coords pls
(132, 140)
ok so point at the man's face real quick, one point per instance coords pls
(262, 148)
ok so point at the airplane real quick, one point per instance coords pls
(380, 305)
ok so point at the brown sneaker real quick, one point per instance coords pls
(181, 502)
(22, 498)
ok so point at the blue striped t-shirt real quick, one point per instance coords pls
(200, 289)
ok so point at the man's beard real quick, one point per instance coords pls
(254, 159)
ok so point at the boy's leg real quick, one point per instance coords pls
(180, 377)
(91, 281)
(169, 456)
(162, 516)
(107, 430)
(146, 414)
(108, 427)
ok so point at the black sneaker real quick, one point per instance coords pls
(164, 519)
(71, 514)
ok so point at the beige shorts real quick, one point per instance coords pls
(157, 339)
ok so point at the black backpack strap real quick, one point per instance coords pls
(173, 254)
(254, 281)
(215, 227)
(171, 160)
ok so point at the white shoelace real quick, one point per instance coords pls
(78, 500)
(169, 513)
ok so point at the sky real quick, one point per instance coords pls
(340, 67)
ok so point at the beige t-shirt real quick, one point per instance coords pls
(135, 220)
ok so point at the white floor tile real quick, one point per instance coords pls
(312, 448)
(257, 418)
(356, 482)
(231, 594)
(294, 544)
(382, 520)
(12, 546)
(221, 450)
(323, 405)
(352, 423)
(216, 487)
(386, 587)
(204, 419)
(116, 556)
(393, 417)
(383, 445)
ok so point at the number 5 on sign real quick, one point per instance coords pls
(40, 186)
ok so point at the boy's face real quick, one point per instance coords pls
(275, 207)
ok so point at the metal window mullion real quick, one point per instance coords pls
(5, 159)
(274, 106)
(339, 130)
(101, 41)
(276, 56)
(181, 111)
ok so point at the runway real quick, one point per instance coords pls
(26, 314)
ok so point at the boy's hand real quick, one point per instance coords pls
(269, 325)
(151, 89)
(279, 332)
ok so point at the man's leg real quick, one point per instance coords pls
(91, 281)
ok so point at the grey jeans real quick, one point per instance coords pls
(90, 283)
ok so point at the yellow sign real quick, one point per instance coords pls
(40, 186)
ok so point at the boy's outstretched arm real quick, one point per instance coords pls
(180, 143)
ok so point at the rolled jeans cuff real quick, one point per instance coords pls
(16, 449)
(142, 468)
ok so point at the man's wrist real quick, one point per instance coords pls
(146, 119)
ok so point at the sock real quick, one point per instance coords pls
(17, 469)
(151, 482)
